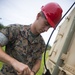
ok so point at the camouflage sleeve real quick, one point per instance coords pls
(3, 39)
(43, 46)
(1, 73)
(10, 32)
(3, 36)
(40, 58)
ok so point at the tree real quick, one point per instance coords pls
(1, 26)
(49, 47)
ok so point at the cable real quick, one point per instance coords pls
(47, 71)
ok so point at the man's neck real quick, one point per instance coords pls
(33, 29)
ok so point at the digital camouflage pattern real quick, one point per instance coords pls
(22, 45)
(1, 73)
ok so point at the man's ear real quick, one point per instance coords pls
(38, 15)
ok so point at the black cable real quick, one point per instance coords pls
(49, 41)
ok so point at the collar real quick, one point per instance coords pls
(26, 33)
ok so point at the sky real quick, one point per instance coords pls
(25, 11)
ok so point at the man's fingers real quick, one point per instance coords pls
(27, 72)
(19, 73)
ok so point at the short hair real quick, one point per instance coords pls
(42, 14)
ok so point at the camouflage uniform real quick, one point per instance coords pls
(1, 73)
(22, 45)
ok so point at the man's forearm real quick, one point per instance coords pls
(18, 66)
(36, 67)
(5, 58)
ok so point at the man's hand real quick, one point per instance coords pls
(32, 73)
(22, 69)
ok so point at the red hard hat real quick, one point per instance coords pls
(52, 12)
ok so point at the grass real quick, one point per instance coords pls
(42, 64)
(0, 65)
(1, 62)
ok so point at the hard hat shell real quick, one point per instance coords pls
(52, 12)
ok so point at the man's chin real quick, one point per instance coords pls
(42, 32)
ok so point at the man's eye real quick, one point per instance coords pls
(46, 24)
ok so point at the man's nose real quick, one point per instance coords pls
(46, 28)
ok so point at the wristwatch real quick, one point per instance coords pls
(34, 72)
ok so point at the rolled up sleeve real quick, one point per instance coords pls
(3, 39)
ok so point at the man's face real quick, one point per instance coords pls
(42, 24)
